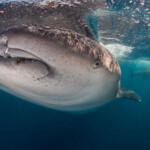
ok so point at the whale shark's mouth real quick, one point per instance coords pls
(40, 68)
(21, 57)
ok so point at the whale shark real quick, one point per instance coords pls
(59, 68)
(138, 67)
(145, 74)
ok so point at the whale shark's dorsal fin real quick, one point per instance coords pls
(128, 94)
(70, 16)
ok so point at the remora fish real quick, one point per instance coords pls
(82, 74)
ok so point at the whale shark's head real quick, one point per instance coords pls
(58, 68)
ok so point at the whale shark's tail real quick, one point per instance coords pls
(126, 93)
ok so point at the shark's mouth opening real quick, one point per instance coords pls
(39, 68)
(20, 57)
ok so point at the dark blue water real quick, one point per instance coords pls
(120, 125)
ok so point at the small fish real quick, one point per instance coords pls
(2, 11)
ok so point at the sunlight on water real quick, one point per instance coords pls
(118, 50)
(125, 33)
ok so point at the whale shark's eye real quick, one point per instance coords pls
(97, 64)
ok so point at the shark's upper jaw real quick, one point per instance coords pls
(76, 42)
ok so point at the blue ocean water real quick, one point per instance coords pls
(119, 125)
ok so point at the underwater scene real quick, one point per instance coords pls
(121, 120)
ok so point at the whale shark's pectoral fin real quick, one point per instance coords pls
(126, 93)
